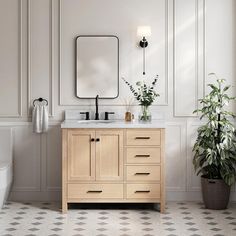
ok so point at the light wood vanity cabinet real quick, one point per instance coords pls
(80, 155)
(113, 165)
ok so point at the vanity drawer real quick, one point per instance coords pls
(143, 173)
(143, 155)
(95, 191)
(145, 191)
(143, 137)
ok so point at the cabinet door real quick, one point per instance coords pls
(81, 155)
(109, 155)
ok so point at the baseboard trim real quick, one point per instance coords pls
(35, 196)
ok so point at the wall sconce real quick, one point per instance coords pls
(144, 31)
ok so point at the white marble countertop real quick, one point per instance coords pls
(118, 124)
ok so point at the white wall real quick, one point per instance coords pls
(190, 38)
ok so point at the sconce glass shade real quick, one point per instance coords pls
(144, 31)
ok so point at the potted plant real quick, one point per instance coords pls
(145, 95)
(215, 147)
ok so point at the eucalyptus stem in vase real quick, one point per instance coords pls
(145, 94)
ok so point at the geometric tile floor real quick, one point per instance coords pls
(182, 219)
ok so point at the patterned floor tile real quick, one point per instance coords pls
(182, 219)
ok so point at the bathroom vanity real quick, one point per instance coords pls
(113, 161)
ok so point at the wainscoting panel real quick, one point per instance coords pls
(53, 159)
(6, 143)
(11, 58)
(175, 156)
(193, 183)
(27, 159)
(37, 162)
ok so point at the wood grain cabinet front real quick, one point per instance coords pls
(143, 173)
(143, 191)
(77, 192)
(142, 137)
(143, 155)
(81, 155)
(109, 155)
(113, 165)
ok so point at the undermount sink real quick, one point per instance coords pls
(95, 121)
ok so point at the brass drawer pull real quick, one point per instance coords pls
(94, 191)
(142, 155)
(142, 191)
(142, 173)
(142, 137)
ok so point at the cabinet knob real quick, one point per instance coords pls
(97, 139)
(92, 139)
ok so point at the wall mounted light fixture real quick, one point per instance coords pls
(144, 31)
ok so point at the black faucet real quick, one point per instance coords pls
(96, 104)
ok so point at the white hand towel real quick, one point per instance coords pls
(40, 118)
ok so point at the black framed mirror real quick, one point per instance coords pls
(97, 66)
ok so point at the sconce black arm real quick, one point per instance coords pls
(143, 44)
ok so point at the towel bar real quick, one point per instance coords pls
(40, 100)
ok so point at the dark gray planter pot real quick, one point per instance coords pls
(215, 193)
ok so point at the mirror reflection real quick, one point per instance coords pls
(97, 66)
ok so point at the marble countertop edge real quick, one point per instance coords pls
(70, 124)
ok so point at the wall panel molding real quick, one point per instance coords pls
(199, 60)
(33, 149)
(21, 60)
(166, 103)
(20, 63)
(38, 157)
(28, 56)
(166, 89)
(51, 56)
(202, 65)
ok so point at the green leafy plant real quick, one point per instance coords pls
(144, 93)
(215, 146)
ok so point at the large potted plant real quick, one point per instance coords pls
(215, 147)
